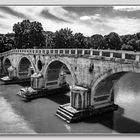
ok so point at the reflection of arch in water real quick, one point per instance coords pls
(7, 63)
(53, 69)
(23, 67)
(102, 87)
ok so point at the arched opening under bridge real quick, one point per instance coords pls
(104, 90)
(54, 71)
(23, 68)
(7, 64)
(119, 85)
(126, 90)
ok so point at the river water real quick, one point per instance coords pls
(38, 116)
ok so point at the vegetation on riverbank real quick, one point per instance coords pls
(31, 35)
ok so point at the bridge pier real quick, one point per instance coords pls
(12, 72)
(37, 81)
(79, 102)
(80, 106)
(79, 98)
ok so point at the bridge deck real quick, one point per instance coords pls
(134, 56)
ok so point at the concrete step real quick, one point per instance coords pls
(64, 115)
(65, 111)
(62, 118)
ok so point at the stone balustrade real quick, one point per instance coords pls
(129, 55)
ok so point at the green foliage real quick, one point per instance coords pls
(6, 42)
(127, 47)
(113, 41)
(88, 43)
(63, 38)
(97, 41)
(29, 34)
(138, 45)
(79, 40)
(49, 39)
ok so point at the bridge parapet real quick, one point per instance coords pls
(128, 55)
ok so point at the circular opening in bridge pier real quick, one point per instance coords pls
(23, 68)
(7, 64)
(59, 78)
(39, 65)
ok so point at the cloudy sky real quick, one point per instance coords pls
(87, 20)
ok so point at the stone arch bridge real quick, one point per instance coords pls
(92, 70)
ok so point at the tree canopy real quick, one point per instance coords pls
(97, 41)
(113, 41)
(29, 34)
(6, 42)
(63, 38)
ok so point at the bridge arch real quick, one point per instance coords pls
(23, 66)
(106, 81)
(6, 64)
(58, 63)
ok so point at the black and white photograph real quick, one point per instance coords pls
(69, 69)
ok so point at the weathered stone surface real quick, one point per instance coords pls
(87, 71)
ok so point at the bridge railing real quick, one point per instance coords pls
(129, 55)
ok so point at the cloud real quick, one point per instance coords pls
(87, 20)
(12, 12)
(61, 13)
(94, 17)
(48, 15)
(126, 8)
(124, 25)
(32, 12)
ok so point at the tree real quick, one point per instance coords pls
(63, 38)
(2, 49)
(97, 41)
(113, 41)
(36, 37)
(132, 43)
(138, 35)
(49, 39)
(29, 34)
(21, 33)
(87, 42)
(126, 38)
(79, 40)
(127, 47)
(138, 45)
(6, 42)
